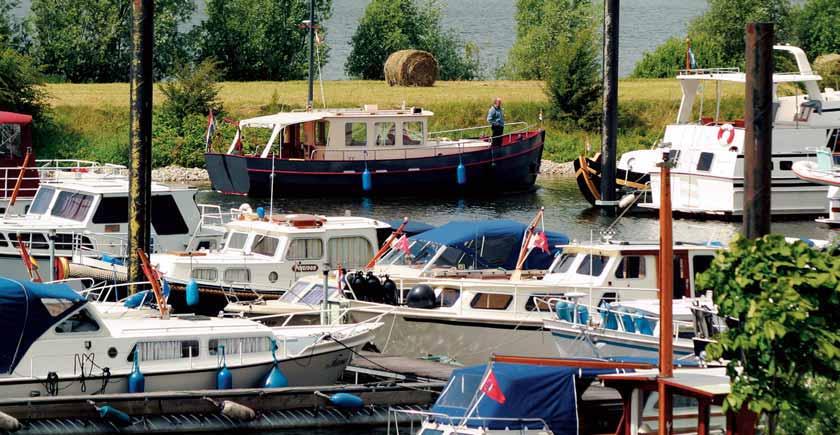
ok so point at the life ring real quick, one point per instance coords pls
(62, 267)
(726, 134)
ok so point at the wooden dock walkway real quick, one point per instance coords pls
(399, 367)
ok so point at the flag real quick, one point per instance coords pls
(339, 276)
(691, 61)
(402, 244)
(490, 387)
(318, 39)
(211, 129)
(238, 145)
(539, 241)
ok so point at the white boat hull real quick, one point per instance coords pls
(599, 343)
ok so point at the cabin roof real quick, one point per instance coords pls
(733, 75)
(105, 185)
(282, 119)
(283, 228)
(614, 248)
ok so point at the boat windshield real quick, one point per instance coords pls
(421, 253)
(72, 205)
(297, 291)
(563, 264)
(42, 200)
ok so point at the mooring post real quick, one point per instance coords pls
(310, 98)
(666, 289)
(140, 170)
(758, 129)
(609, 124)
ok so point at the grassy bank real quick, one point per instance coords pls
(91, 120)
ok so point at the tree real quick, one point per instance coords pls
(260, 39)
(10, 29)
(573, 84)
(90, 40)
(392, 25)
(21, 85)
(786, 299)
(816, 27)
(669, 57)
(540, 27)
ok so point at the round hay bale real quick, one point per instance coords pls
(828, 66)
(411, 68)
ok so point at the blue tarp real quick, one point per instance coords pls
(497, 242)
(530, 392)
(412, 227)
(24, 316)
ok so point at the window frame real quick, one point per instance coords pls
(404, 133)
(306, 257)
(349, 140)
(705, 161)
(641, 267)
(379, 130)
(477, 298)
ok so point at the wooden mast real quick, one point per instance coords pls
(666, 284)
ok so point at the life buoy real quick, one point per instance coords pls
(726, 134)
(62, 266)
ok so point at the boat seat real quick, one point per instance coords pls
(608, 317)
(643, 325)
(627, 320)
(583, 314)
(564, 311)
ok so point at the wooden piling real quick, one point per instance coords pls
(666, 293)
(758, 129)
(140, 169)
(609, 124)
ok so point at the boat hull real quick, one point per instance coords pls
(588, 177)
(512, 167)
(569, 342)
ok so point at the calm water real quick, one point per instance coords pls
(491, 24)
(565, 211)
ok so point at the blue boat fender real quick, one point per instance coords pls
(192, 293)
(346, 400)
(261, 213)
(276, 378)
(224, 378)
(114, 415)
(461, 173)
(136, 299)
(367, 180)
(136, 381)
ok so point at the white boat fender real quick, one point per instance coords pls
(235, 411)
(9, 423)
(626, 201)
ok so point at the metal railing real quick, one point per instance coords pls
(51, 170)
(461, 421)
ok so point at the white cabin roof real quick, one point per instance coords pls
(283, 119)
(730, 75)
(282, 228)
(112, 185)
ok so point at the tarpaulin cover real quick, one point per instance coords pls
(530, 391)
(412, 227)
(493, 243)
(24, 316)
(15, 118)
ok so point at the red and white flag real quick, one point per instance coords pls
(211, 129)
(539, 241)
(491, 389)
(402, 244)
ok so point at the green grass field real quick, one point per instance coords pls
(91, 120)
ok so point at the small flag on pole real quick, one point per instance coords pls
(402, 244)
(539, 241)
(211, 129)
(490, 387)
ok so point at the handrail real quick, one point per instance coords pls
(474, 128)
(461, 421)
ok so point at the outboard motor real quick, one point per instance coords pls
(421, 296)
(390, 291)
(374, 288)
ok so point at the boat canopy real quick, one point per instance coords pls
(15, 118)
(412, 227)
(493, 243)
(282, 119)
(530, 392)
(27, 310)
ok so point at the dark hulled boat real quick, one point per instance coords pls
(588, 176)
(372, 151)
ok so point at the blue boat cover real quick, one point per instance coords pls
(497, 242)
(412, 227)
(25, 316)
(530, 392)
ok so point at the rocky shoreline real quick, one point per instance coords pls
(178, 174)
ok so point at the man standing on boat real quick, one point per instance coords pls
(496, 119)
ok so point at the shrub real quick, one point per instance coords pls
(573, 84)
(21, 85)
(193, 90)
(668, 58)
(816, 27)
(392, 25)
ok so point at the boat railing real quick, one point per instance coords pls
(93, 244)
(49, 170)
(707, 71)
(104, 292)
(459, 421)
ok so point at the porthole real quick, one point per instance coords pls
(112, 352)
(272, 276)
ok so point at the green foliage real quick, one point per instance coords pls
(21, 85)
(825, 394)
(718, 36)
(542, 28)
(192, 90)
(260, 39)
(392, 25)
(573, 85)
(11, 30)
(786, 298)
(90, 40)
(816, 27)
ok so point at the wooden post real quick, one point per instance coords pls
(140, 169)
(666, 283)
(703, 411)
(609, 126)
(758, 129)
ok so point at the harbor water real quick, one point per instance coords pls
(565, 211)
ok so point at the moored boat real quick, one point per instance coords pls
(825, 170)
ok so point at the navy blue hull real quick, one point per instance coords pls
(512, 167)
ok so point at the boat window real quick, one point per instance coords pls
(564, 263)
(56, 307)
(42, 200)
(674, 155)
(785, 165)
(237, 274)
(205, 274)
(305, 249)
(31, 240)
(448, 297)
(592, 265)
(63, 241)
(70, 205)
(237, 345)
(4, 243)
(631, 267)
(316, 295)
(412, 133)
(265, 245)
(496, 250)
(385, 133)
(295, 292)
(79, 322)
(161, 350)
(540, 302)
(111, 210)
(11, 140)
(491, 301)
(705, 162)
(349, 252)
(322, 132)
(237, 241)
(701, 263)
(166, 216)
(355, 134)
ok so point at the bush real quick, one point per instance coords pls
(193, 90)
(21, 85)
(828, 66)
(573, 84)
(816, 27)
(669, 58)
(260, 39)
(392, 25)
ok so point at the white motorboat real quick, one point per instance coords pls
(825, 170)
(57, 343)
(709, 150)
(87, 216)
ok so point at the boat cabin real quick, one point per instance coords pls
(368, 133)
